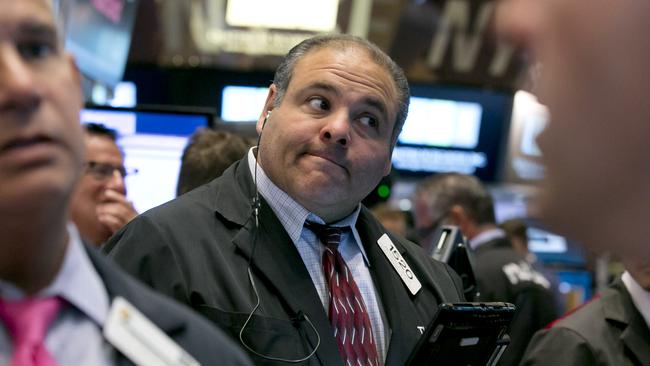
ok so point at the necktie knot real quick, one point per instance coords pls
(27, 321)
(330, 236)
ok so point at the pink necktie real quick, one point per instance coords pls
(27, 321)
(347, 310)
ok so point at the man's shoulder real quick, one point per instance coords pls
(585, 320)
(581, 337)
(194, 334)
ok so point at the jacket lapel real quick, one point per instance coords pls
(118, 284)
(397, 303)
(618, 307)
(276, 260)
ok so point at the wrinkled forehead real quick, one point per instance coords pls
(366, 69)
(14, 12)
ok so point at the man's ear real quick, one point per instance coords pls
(268, 107)
(458, 215)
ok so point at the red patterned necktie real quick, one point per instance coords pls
(347, 311)
(27, 321)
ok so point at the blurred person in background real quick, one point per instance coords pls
(207, 155)
(594, 59)
(393, 219)
(517, 232)
(501, 273)
(57, 295)
(99, 205)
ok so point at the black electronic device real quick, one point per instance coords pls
(465, 334)
(449, 246)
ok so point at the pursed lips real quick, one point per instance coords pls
(329, 158)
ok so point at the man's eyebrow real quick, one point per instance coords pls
(322, 86)
(378, 104)
(36, 29)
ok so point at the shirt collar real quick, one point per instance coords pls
(486, 236)
(640, 296)
(291, 214)
(77, 282)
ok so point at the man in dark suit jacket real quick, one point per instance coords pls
(43, 264)
(609, 330)
(327, 130)
(501, 273)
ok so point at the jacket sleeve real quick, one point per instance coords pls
(535, 309)
(558, 346)
(142, 249)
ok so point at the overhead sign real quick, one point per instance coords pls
(448, 41)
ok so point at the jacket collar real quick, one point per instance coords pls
(619, 310)
(119, 284)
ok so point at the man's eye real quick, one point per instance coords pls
(369, 121)
(35, 50)
(319, 104)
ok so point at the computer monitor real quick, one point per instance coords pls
(152, 140)
(98, 34)
(550, 247)
(523, 158)
(242, 103)
(453, 130)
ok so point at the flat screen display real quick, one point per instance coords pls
(453, 130)
(550, 247)
(98, 34)
(241, 103)
(523, 160)
(152, 142)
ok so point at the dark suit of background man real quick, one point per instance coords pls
(43, 264)
(501, 273)
(327, 129)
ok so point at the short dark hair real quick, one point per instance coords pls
(284, 72)
(98, 129)
(516, 228)
(207, 155)
(442, 191)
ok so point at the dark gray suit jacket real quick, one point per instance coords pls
(535, 304)
(198, 247)
(607, 331)
(206, 344)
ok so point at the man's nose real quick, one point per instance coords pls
(19, 89)
(337, 129)
(116, 182)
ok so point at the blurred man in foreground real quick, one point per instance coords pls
(61, 303)
(99, 205)
(594, 58)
